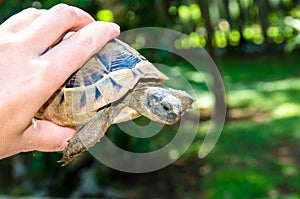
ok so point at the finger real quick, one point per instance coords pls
(21, 20)
(46, 136)
(53, 24)
(69, 55)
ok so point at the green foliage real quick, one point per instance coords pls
(187, 13)
(235, 23)
(105, 15)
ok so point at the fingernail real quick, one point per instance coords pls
(116, 26)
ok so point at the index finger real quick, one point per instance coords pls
(53, 24)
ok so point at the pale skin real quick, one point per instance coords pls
(28, 76)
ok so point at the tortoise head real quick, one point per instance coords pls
(165, 105)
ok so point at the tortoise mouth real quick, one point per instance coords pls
(171, 118)
(167, 115)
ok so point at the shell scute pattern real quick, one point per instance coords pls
(72, 82)
(97, 93)
(83, 100)
(110, 73)
(89, 74)
(115, 84)
(124, 59)
(96, 76)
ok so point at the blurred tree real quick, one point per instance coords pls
(250, 21)
(204, 5)
(263, 9)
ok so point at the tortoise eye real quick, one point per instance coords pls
(166, 107)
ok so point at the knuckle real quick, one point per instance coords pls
(65, 11)
(83, 39)
(32, 11)
(7, 46)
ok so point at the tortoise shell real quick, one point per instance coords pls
(105, 78)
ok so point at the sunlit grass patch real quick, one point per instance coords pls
(280, 97)
(286, 110)
(279, 85)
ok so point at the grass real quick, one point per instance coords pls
(258, 156)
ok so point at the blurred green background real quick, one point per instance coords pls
(256, 45)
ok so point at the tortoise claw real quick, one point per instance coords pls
(67, 158)
(74, 149)
(65, 161)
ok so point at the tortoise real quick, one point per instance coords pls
(115, 85)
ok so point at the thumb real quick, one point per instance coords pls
(46, 136)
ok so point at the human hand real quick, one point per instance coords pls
(28, 76)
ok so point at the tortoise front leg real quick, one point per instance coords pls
(87, 136)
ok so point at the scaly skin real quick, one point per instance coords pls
(74, 149)
(87, 136)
